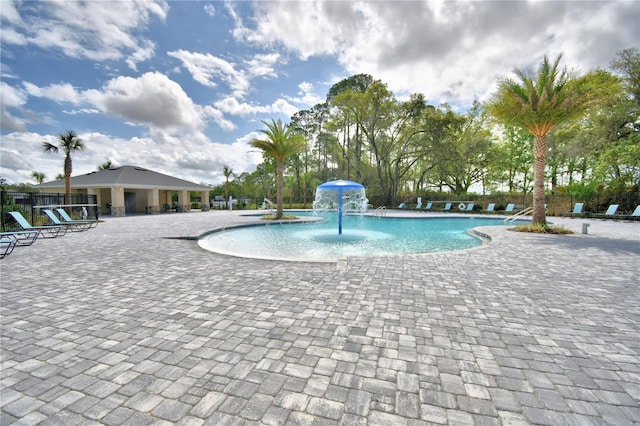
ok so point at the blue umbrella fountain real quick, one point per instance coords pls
(343, 195)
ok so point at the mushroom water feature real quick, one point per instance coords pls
(341, 195)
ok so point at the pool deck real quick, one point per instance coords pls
(133, 323)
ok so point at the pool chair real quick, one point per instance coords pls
(634, 216)
(67, 219)
(22, 238)
(419, 205)
(428, 206)
(447, 207)
(577, 210)
(469, 207)
(7, 245)
(402, 206)
(509, 208)
(73, 227)
(491, 208)
(611, 211)
(47, 231)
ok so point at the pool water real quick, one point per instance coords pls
(361, 236)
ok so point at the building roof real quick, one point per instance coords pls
(126, 177)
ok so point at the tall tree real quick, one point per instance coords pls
(226, 171)
(69, 143)
(280, 142)
(541, 102)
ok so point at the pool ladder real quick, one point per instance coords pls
(380, 211)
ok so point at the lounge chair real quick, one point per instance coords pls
(72, 226)
(635, 215)
(47, 231)
(22, 238)
(469, 207)
(447, 207)
(509, 208)
(402, 206)
(491, 208)
(428, 206)
(7, 244)
(577, 210)
(611, 211)
(67, 219)
(419, 205)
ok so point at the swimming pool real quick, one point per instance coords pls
(362, 235)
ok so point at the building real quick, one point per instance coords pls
(129, 189)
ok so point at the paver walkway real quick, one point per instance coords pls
(132, 323)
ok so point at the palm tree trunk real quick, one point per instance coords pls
(540, 153)
(279, 188)
(67, 180)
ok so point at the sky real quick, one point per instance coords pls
(181, 87)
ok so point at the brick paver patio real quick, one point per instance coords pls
(132, 323)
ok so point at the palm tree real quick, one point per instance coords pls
(281, 142)
(105, 166)
(539, 103)
(226, 171)
(69, 143)
(39, 177)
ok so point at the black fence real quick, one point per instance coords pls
(557, 204)
(32, 204)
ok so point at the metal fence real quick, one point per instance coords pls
(557, 204)
(31, 205)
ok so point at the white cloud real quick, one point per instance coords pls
(263, 65)
(9, 13)
(94, 30)
(151, 99)
(11, 98)
(218, 118)
(210, 9)
(452, 51)
(140, 54)
(81, 111)
(205, 68)
(231, 105)
(57, 92)
(306, 96)
(191, 156)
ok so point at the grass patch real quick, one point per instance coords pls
(273, 217)
(542, 229)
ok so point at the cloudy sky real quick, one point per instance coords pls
(180, 87)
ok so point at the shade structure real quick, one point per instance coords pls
(339, 186)
(343, 184)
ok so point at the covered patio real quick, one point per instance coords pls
(130, 189)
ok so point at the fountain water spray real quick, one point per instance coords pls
(342, 195)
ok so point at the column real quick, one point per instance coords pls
(117, 201)
(184, 202)
(153, 201)
(204, 198)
